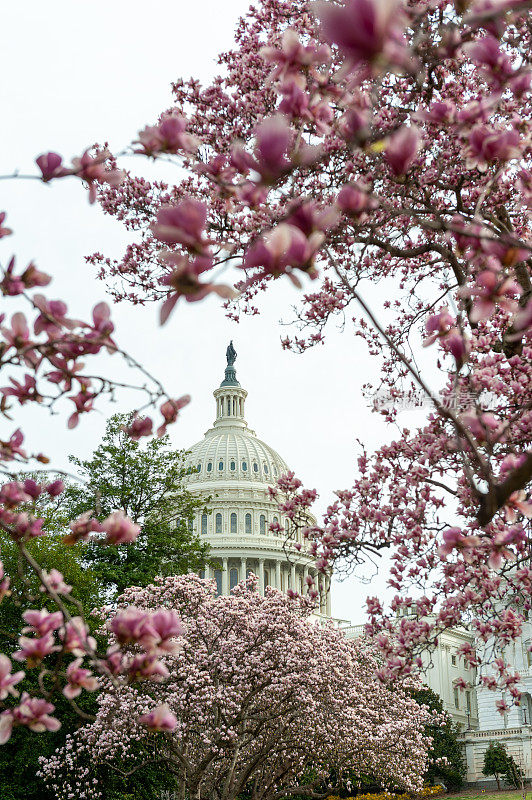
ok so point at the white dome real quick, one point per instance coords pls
(233, 453)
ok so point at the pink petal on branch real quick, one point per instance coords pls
(51, 166)
(160, 719)
(120, 529)
(402, 149)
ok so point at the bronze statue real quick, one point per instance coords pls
(230, 354)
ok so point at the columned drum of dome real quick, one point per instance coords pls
(235, 468)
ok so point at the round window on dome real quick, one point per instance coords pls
(244, 466)
(209, 467)
(255, 467)
(265, 469)
(221, 465)
(233, 465)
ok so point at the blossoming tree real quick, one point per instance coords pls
(255, 699)
(359, 142)
(347, 143)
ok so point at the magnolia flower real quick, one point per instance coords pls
(366, 31)
(7, 678)
(182, 224)
(491, 290)
(3, 230)
(170, 410)
(160, 719)
(518, 502)
(51, 166)
(79, 679)
(184, 282)
(54, 580)
(82, 527)
(13, 494)
(454, 539)
(92, 170)
(402, 149)
(140, 426)
(486, 145)
(120, 529)
(41, 621)
(169, 136)
(76, 638)
(272, 140)
(34, 650)
(283, 247)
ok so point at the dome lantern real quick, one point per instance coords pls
(230, 396)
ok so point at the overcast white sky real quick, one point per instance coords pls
(76, 73)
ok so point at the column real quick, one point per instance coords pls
(225, 577)
(305, 576)
(208, 572)
(293, 577)
(243, 568)
(328, 597)
(261, 576)
(278, 575)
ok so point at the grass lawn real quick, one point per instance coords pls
(489, 794)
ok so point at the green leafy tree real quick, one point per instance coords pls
(496, 761)
(148, 483)
(446, 762)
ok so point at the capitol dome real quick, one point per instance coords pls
(232, 470)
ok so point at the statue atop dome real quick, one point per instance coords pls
(230, 354)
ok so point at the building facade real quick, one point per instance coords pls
(232, 470)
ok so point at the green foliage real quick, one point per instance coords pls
(147, 483)
(445, 744)
(495, 761)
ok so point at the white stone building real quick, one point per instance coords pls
(232, 471)
(513, 729)
(444, 668)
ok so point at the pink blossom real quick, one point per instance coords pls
(486, 52)
(518, 502)
(92, 170)
(184, 282)
(79, 679)
(292, 55)
(13, 494)
(522, 322)
(34, 650)
(283, 247)
(120, 529)
(32, 488)
(166, 626)
(82, 527)
(354, 200)
(55, 488)
(402, 149)
(454, 539)
(483, 426)
(131, 625)
(54, 580)
(51, 166)
(24, 392)
(160, 719)
(490, 290)
(76, 638)
(169, 136)
(41, 621)
(170, 410)
(147, 667)
(272, 140)
(486, 145)
(4, 231)
(183, 224)
(8, 679)
(140, 426)
(366, 31)
(33, 712)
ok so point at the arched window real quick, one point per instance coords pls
(204, 524)
(275, 471)
(218, 523)
(228, 406)
(218, 579)
(209, 467)
(244, 466)
(233, 578)
(276, 520)
(255, 467)
(233, 522)
(221, 465)
(190, 525)
(263, 525)
(233, 465)
(248, 523)
(202, 574)
(198, 468)
(265, 467)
